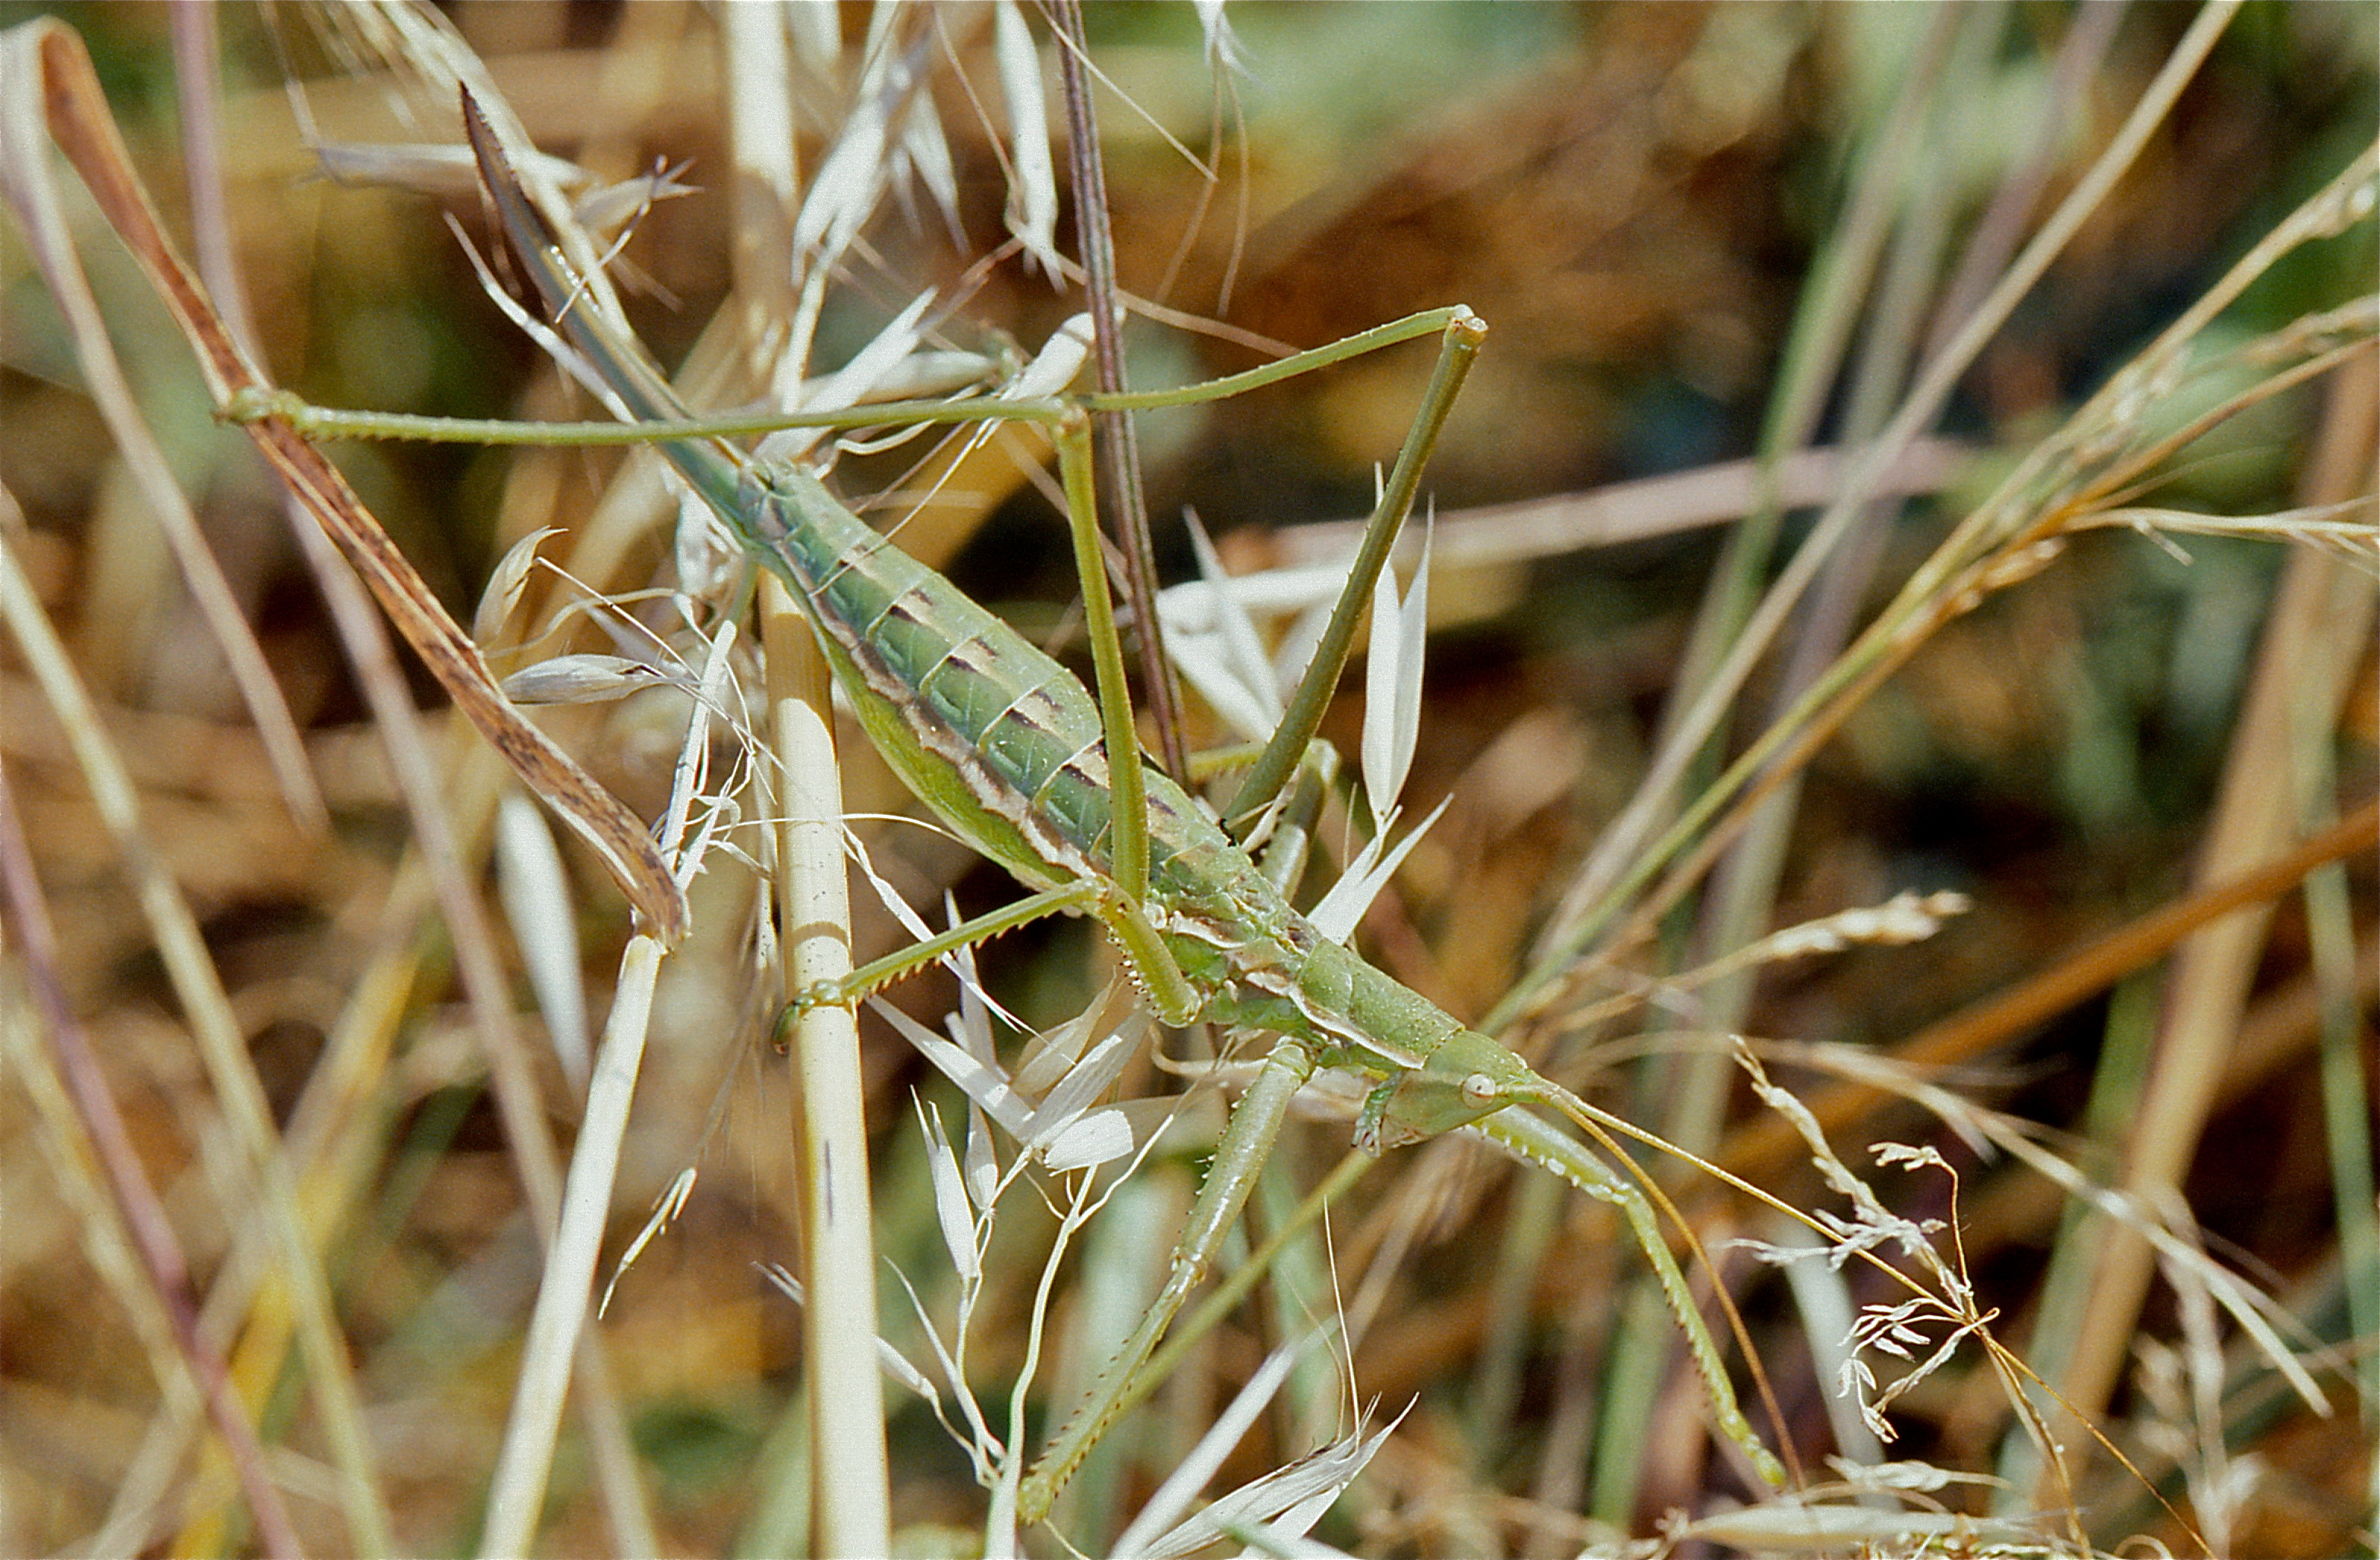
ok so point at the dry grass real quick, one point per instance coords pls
(2078, 644)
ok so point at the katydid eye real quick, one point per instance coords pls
(1479, 1088)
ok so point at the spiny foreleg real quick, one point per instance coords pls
(1247, 1142)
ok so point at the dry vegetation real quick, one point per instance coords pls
(2064, 617)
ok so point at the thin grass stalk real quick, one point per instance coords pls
(335, 1157)
(198, 102)
(1880, 377)
(1998, 230)
(478, 778)
(260, 1354)
(32, 189)
(1744, 885)
(2347, 1092)
(1738, 908)
(1884, 190)
(145, 1228)
(141, 1490)
(1825, 318)
(1690, 1090)
(472, 781)
(1639, 508)
(2018, 516)
(557, 1322)
(800, 1462)
(1119, 466)
(1943, 370)
(850, 1499)
(426, 784)
(2002, 542)
(766, 153)
(2110, 957)
(1761, 1146)
(2346, 1089)
(198, 988)
(1949, 592)
(1643, 1357)
(517, 1491)
(81, 126)
(2303, 671)
(1922, 406)
(2127, 1048)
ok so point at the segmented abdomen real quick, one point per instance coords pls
(958, 694)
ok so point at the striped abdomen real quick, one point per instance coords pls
(993, 734)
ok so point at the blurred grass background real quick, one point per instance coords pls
(1631, 195)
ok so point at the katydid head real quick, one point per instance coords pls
(1466, 1077)
(1436, 1075)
